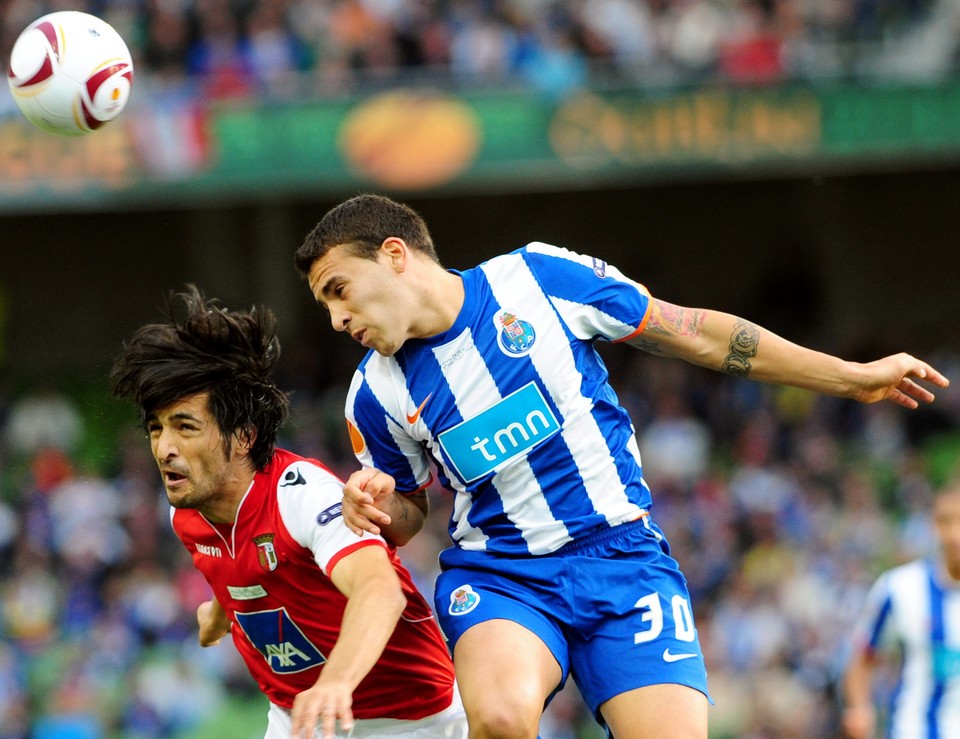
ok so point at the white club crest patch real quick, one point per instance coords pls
(514, 335)
(463, 600)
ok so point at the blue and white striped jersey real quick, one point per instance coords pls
(512, 405)
(910, 606)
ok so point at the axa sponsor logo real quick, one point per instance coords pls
(280, 640)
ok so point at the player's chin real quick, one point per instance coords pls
(385, 348)
(180, 499)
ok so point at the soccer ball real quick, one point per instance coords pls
(70, 72)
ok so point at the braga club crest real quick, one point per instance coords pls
(266, 554)
(515, 336)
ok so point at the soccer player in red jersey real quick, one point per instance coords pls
(330, 626)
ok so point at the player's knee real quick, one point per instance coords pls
(504, 720)
(501, 725)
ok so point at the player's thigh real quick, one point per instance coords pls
(634, 626)
(506, 674)
(657, 712)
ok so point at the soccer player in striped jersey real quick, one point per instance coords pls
(330, 626)
(912, 616)
(490, 377)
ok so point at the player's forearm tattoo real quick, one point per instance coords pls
(743, 345)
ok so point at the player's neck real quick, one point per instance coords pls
(441, 296)
(223, 507)
(951, 572)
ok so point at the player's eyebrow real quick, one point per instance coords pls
(178, 416)
(328, 284)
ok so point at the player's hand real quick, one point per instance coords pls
(322, 706)
(859, 722)
(894, 378)
(213, 622)
(365, 495)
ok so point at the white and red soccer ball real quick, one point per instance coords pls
(70, 73)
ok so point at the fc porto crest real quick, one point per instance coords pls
(266, 554)
(463, 600)
(515, 336)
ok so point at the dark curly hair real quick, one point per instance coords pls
(205, 347)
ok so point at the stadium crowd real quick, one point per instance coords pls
(781, 507)
(287, 48)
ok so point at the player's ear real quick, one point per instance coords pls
(244, 438)
(394, 250)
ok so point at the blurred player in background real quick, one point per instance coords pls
(492, 375)
(330, 626)
(912, 617)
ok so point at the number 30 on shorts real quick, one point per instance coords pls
(653, 615)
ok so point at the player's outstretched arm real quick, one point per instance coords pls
(371, 503)
(213, 622)
(859, 715)
(735, 346)
(375, 602)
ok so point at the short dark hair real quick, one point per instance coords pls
(204, 347)
(362, 224)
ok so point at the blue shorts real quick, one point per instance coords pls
(613, 609)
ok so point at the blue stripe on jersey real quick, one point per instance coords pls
(881, 619)
(937, 644)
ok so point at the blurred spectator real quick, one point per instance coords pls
(219, 55)
(43, 419)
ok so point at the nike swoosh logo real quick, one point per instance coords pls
(669, 656)
(416, 414)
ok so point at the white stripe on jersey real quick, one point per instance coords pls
(523, 503)
(476, 374)
(511, 281)
(387, 383)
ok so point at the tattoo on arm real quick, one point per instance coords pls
(648, 346)
(683, 321)
(744, 342)
(669, 320)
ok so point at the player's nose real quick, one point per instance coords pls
(339, 319)
(164, 446)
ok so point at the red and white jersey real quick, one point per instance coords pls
(270, 572)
